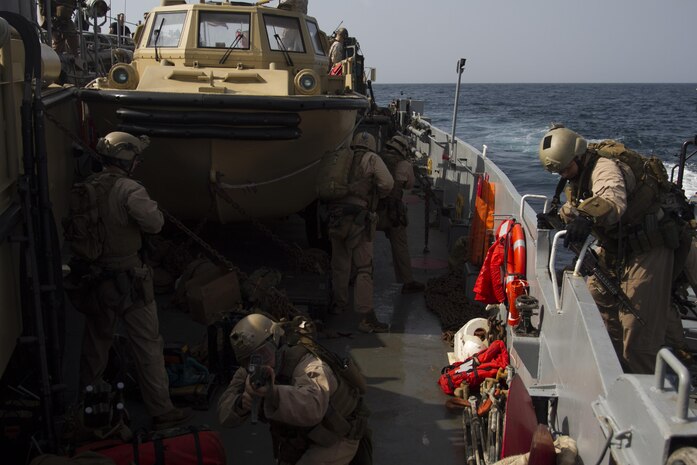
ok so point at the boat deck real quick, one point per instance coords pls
(409, 421)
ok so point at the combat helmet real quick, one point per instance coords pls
(399, 143)
(122, 146)
(559, 147)
(251, 333)
(342, 31)
(364, 140)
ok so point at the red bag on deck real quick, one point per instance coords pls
(474, 370)
(180, 446)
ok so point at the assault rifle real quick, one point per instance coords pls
(590, 266)
(257, 378)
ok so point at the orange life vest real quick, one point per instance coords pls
(497, 282)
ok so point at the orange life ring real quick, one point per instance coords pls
(517, 257)
(515, 271)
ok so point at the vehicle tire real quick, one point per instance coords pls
(683, 456)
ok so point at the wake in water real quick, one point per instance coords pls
(511, 119)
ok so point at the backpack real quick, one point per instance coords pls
(475, 369)
(83, 228)
(333, 174)
(648, 169)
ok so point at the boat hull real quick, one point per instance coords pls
(263, 152)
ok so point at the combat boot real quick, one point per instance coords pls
(174, 417)
(371, 324)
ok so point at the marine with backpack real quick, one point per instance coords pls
(352, 221)
(626, 201)
(108, 214)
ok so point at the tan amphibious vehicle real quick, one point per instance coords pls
(237, 100)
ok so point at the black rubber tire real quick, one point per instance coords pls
(683, 456)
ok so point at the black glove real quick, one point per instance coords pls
(543, 221)
(578, 230)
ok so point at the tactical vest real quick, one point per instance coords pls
(361, 186)
(392, 159)
(642, 225)
(346, 416)
(121, 240)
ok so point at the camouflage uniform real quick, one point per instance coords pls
(352, 227)
(125, 291)
(675, 335)
(300, 404)
(393, 220)
(645, 275)
(336, 52)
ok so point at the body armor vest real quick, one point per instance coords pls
(361, 186)
(642, 225)
(120, 240)
(345, 417)
(392, 159)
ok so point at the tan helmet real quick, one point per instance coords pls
(559, 147)
(399, 143)
(341, 32)
(251, 332)
(364, 140)
(122, 145)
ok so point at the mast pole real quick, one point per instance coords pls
(446, 156)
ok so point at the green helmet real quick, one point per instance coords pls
(122, 145)
(252, 332)
(559, 147)
(364, 140)
(399, 143)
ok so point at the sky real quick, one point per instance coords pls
(511, 41)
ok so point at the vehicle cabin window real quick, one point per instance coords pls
(284, 33)
(167, 29)
(316, 40)
(223, 30)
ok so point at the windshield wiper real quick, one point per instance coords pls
(157, 39)
(289, 62)
(234, 43)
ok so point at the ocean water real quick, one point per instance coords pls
(510, 119)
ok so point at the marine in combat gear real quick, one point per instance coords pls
(352, 222)
(619, 203)
(392, 212)
(313, 407)
(118, 285)
(64, 33)
(337, 51)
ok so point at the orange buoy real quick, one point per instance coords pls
(515, 271)
(517, 245)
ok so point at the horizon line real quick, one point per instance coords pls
(534, 83)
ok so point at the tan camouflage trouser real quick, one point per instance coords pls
(352, 251)
(401, 260)
(647, 281)
(142, 328)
